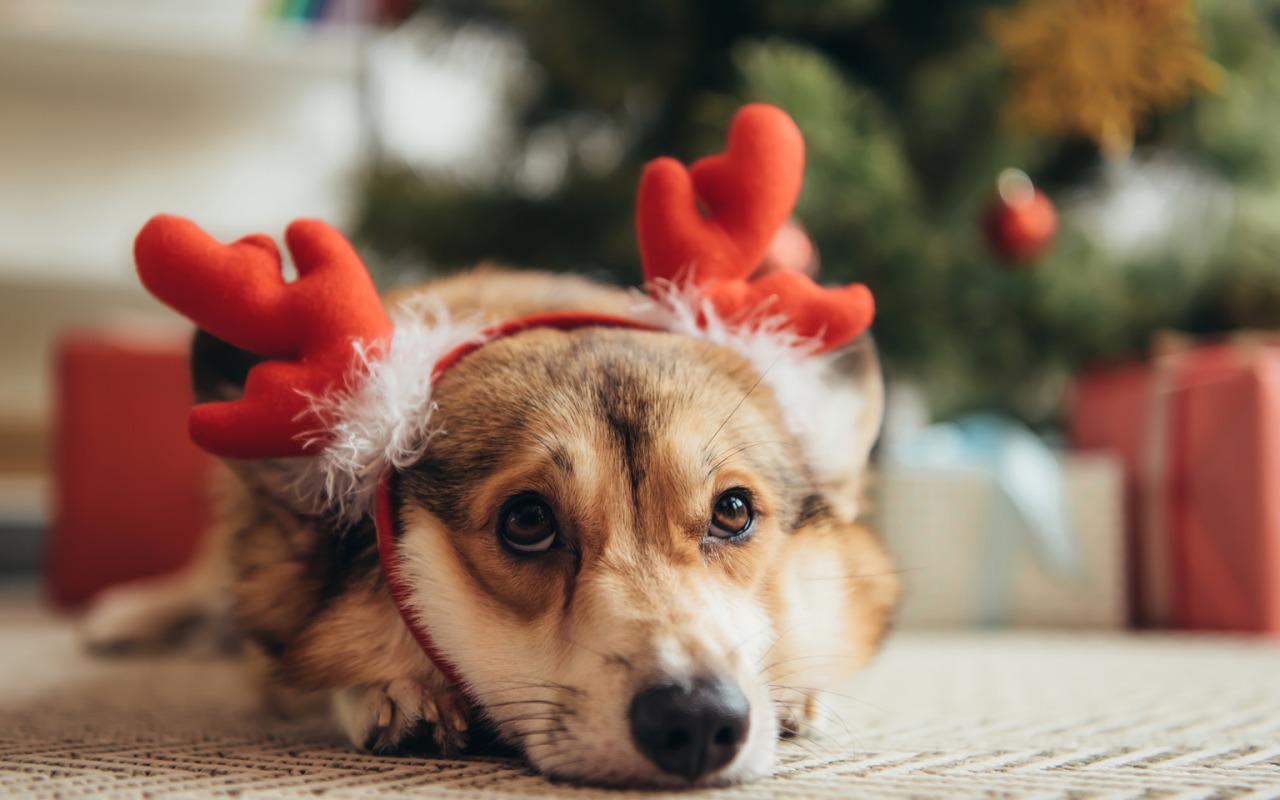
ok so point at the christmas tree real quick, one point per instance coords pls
(1149, 124)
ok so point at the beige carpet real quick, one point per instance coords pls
(941, 715)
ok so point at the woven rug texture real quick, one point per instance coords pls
(956, 715)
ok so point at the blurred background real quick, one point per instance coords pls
(1066, 209)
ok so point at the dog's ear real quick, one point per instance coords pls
(838, 411)
(218, 373)
(833, 588)
(218, 369)
(832, 592)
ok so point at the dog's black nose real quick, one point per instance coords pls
(690, 730)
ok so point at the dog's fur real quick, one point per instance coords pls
(630, 435)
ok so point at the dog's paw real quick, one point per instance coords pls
(179, 611)
(404, 717)
(140, 618)
(795, 713)
(121, 621)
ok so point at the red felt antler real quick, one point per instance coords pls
(308, 328)
(749, 192)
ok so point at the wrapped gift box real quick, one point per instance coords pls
(1109, 412)
(131, 495)
(1199, 432)
(959, 569)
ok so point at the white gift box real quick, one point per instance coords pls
(964, 564)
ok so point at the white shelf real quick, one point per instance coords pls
(68, 51)
(115, 110)
(24, 500)
(212, 114)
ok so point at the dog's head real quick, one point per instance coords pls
(631, 557)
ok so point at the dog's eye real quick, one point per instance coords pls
(731, 515)
(528, 525)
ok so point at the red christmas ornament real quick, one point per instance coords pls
(1021, 222)
(790, 251)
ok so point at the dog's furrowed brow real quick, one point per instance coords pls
(632, 434)
(716, 459)
(558, 456)
(745, 396)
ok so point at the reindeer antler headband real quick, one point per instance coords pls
(345, 384)
(749, 191)
(350, 390)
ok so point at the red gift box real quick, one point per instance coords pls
(1107, 412)
(1198, 431)
(131, 492)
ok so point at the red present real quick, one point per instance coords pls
(131, 492)
(1108, 412)
(1199, 433)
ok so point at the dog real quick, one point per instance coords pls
(627, 552)
(620, 536)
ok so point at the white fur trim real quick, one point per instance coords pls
(382, 418)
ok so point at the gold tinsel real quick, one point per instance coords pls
(1098, 68)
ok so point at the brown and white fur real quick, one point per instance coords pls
(630, 436)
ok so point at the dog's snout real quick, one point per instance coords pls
(690, 730)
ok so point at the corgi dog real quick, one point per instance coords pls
(637, 560)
